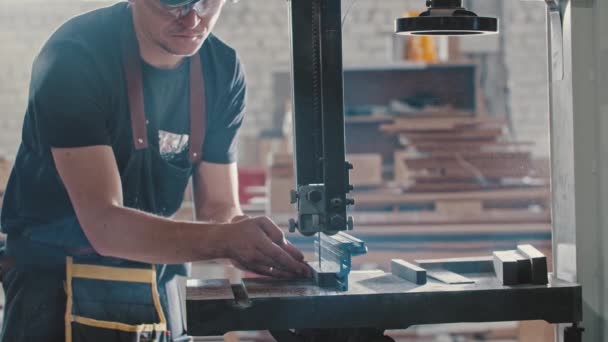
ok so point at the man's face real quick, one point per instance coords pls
(180, 36)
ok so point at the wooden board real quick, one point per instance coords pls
(481, 133)
(470, 146)
(279, 196)
(439, 124)
(367, 169)
(409, 272)
(539, 263)
(540, 194)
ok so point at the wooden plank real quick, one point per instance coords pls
(483, 264)
(279, 196)
(481, 162)
(367, 169)
(467, 207)
(506, 194)
(480, 133)
(438, 123)
(431, 217)
(448, 277)
(407, 271)
(539, 263)
(430, 220)
(469, 146)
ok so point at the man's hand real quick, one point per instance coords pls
(259, 246)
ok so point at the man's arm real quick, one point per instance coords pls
(216, 195)
(91, 178)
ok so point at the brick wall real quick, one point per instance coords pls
(258, 30)
(526, 61)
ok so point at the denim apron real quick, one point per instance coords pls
(60, 289)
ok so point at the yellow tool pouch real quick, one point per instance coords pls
(110, 303)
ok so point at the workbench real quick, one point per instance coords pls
(375, 300)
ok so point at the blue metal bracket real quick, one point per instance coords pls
(336, 254)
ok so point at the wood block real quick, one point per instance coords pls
(512, 268)
(482, 264)
(279, 196)
(409, 272)
(449, 277)
(367, 169)
(539, 263)
(505, 266)
(459, 207)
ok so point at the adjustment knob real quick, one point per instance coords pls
(349, 166)
(350, 201)
(314, 196)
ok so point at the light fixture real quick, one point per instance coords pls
(446, 17)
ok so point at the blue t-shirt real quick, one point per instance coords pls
(78, 97)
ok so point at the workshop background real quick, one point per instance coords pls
(508, 74)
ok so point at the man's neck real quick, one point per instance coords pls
(153, 54)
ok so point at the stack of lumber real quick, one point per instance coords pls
(460, 153)
(461, 169)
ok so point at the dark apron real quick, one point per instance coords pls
(60, 289)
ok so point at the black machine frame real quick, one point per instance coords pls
(322, 177)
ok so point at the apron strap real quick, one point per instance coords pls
(132, 69)
(198, 111)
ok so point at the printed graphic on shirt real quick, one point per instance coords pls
(172, 145)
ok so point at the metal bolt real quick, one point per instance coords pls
(336, 202)
(350, 201)
(349, 166)
(293, 225)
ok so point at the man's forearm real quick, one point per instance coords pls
(134, 235)
(220, 213)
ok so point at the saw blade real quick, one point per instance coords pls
(319, 252)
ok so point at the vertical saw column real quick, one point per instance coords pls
(322, 180)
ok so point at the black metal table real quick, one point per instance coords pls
(376, 300)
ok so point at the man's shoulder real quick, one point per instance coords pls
(95, 31)
(223, 58)
(220, 49)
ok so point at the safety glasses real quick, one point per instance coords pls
(203, 8)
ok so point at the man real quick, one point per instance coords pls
(126, 104)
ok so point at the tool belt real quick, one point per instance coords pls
(106, 303)
(106, 299)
